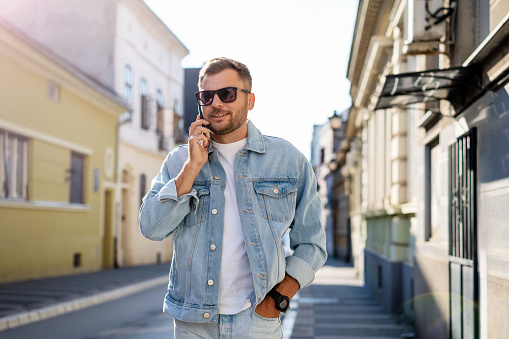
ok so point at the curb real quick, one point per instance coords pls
(29, 317)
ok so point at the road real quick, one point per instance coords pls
(134, 317)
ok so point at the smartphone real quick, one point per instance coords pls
(201, 117)
(200, 111)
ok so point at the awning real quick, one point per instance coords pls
(451, 84)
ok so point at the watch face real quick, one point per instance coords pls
(283, 304)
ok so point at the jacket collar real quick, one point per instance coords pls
(255, 141)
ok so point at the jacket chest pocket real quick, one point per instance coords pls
(276, 199)
(198, 206)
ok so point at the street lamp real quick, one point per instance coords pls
(333, 165)
(335, 121)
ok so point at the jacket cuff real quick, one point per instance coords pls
(169, 191)
(300, 270)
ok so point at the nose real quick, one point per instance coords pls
(216, 101)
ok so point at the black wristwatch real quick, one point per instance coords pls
(282, 301)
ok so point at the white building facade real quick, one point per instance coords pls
(321, 155)
(380, 158)
(430, 84)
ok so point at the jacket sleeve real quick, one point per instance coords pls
(162, 211)
(307, 235)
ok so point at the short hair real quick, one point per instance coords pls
(216, 65)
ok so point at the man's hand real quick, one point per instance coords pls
(199, 139)
(267, 308)
(198, 143)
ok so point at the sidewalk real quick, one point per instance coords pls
(25, 302)
(337, 305)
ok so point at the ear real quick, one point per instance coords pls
(250, 101)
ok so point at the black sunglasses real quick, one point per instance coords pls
(227, 94)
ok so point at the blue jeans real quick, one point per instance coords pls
(230, 326)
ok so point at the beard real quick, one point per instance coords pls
(234, 122)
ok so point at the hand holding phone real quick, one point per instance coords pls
(198, 143)
(199, 140)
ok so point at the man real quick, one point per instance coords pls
(228, 197)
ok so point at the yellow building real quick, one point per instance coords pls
(124, 46)
(58, 137)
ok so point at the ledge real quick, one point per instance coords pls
(428, 120)
(44, 205)
(404, 210)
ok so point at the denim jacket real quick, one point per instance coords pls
(276, 190)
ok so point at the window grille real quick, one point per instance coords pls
(462, 218)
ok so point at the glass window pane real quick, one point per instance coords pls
(128, 83)
(160, 101)
(77, 178)
(143, 186)
(143, 87)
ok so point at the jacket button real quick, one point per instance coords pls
(206, 315)
(214, 211)
(216, 177)
(211, 282)
(210, 157)
(213, 247)
(276, 190)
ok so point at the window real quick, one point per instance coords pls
(432, 189)
(13, 165)
(143, 186)
(178, 123)
(77, 176)
(145, 123)
(128, 88)
(160, 113)
(53, 91)
(463, 197)
(159, 100)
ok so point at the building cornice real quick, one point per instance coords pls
(367, 15)
(166, 36)
(370, 72)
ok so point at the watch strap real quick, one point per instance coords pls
(278, 298)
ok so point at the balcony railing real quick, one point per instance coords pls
(164, 143)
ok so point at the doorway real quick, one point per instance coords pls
(108, 241)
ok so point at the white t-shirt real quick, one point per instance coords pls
(236, 279)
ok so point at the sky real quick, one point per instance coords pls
(297, 52)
